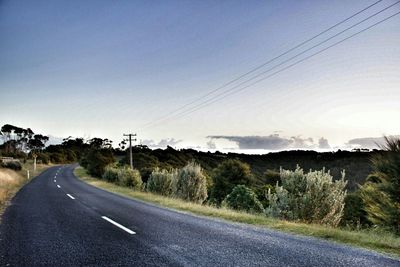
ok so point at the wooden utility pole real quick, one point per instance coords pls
(130, 147)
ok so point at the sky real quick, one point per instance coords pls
(104, 68)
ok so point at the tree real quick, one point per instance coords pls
(96, 160)
(226, 176)
(311, 197)
(381, 192)
(243, 198)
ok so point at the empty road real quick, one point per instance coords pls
(57, 220)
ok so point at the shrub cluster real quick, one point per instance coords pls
(311, 197)
(188, 183)
(123, 176)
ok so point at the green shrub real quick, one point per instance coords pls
(130, 178)
(381, 193)
(354, 214)
(110, 174)
(311, 197)
(191, 183)
(162, 181)
(226, 176)
(13, 165)
(44, 158)
(243, 198)
(96, 161)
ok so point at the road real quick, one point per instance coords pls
(57, 220)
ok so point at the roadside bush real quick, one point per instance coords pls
(110, 174)
(381, 192)
(44, 158)
(130, 178)
(57, 158)
(96, 161)
(311, 197)
(226, 176)
(243, 198)
(162, 181)
(13, 165)
(191, 183)
(354, 214)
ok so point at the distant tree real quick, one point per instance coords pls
(226, 176)
(96, 160)
(381, 192)
(38, 142)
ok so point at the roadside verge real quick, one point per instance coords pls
(373, 239)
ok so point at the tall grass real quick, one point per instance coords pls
(10, 181)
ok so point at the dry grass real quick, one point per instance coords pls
(374, 239)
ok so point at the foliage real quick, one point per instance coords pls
(226, 176)
(123, 176)
(96, 160)
(311, 197)
(191, 183)
(162, 181)
(13, 165)
(354, 214)
(381, 193)
(243, 198)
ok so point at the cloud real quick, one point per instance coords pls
(323, 143)
(367, 142)
(211, 144)
(271, 142)
(163, 143)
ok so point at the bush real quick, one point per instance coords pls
(191, 183)
(13, 165)
(96, 161)
(243, 198)
(57, 158)
(130, 178)
(354, 214)
(162, 181)
(110, 174)
(313, 197)
(381, 192)
(226, 176)
(44, 158)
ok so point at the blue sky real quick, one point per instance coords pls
(102, 68)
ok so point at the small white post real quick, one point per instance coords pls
(27, 174)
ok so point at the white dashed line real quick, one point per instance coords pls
(55, 180)
(58, 186)
(118, 225)
(71, 197)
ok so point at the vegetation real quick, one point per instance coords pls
(381, 193)
(376, 239)
(244, 199)
(226, 176)
(311, 197)
(191, 184)
(162, 181)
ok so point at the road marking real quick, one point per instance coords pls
(58, 186)
(55, 180)
(70, 196)
(118, 225)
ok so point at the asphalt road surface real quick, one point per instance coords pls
(57, 220)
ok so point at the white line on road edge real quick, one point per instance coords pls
(70, 196)
(118, 225)
(58, 186)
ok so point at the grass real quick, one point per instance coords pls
(374, 239)
(11, 181)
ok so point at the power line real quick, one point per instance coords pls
(289, 66)
(264, 64)
(228, 91)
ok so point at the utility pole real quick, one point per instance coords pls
(130, 147)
